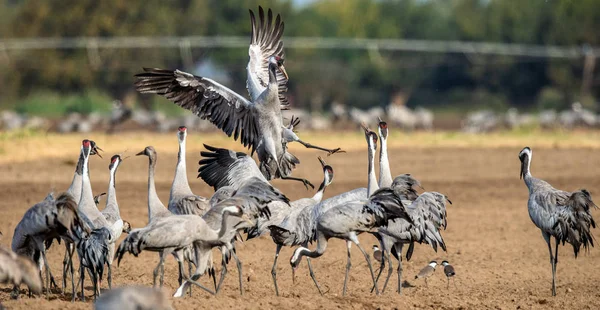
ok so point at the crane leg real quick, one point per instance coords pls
(81, 280)
(109, 277)
(239, 268)
(381, 266)
(157, 270)
(200, 286)
(348, 266)
(547, 238)
(554, 267)
(65, 267)
(223, 273)
(304, 181)
(180, 268)
(399, 270)
(329, 151)
(274, 269)
(190, 272)
(390, 271)
(368, 263)
(312, 275)
(49, 277)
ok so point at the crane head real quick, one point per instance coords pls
(327, 170)
(277, 62)
(181, 133)
(95, 148)
(383, 128)
(525, 158)
(115, 161)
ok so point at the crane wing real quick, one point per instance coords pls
(265, 41)
(206, 98)
(573, 220)
(222, 167)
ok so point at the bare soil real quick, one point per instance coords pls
(500, 257)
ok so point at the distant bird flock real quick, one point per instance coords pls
(245, 205)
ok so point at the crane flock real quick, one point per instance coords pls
(189, 227)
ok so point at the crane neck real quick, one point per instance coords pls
(385, 174)
(526, 172)
(319, 194)
(225, 225)
(155, 206)
(372, 183)
(111, 193)
(86, 201)
(272, 74)
(180, 184)
(75, 188)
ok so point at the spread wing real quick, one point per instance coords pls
(206, 98)
(265, 41)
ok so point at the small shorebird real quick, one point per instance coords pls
(449, 272)
(427, 271)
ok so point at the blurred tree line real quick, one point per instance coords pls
(318, 77)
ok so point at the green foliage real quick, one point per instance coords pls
(356, 77)
(51, 104)
(550, 98)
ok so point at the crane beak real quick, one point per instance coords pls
(141, 153)
(96, 149)
(282, 69)
(364, 126)
(323, 163)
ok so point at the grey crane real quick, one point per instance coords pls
(49, 219)
(228, 172)
(133, 298)
(157, 210)
(257, 122)
(176, 232)
(182, 200)
(93, 251)
(348, 220)
(112, 213)
(428, 213)
(93, 248)
(563, 215)
(74, 191)
(222, 168)
(17, 269)
(255, 197)
(299, 227)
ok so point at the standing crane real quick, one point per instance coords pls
(74, 191)
(112, 213)
(563, 215)
(49, 219)
(256, 122)
(222, 168)
(428, 214)
(347, 220)
(157, 210)
(173, 233)
(182, 200)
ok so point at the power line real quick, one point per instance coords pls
(483, 48)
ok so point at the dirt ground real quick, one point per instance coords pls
(500, 257)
